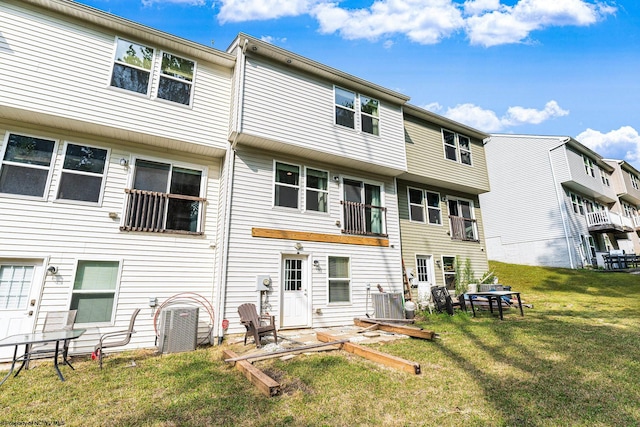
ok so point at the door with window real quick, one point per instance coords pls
(363, 212)
(463, 225)
(295, 298)
(424, 276)
(20, 286)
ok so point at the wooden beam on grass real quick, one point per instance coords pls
(265, 384)
(311, 347)
(374, 355)
(398, 329)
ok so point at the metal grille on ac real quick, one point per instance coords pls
(178, 329)
(388, 305)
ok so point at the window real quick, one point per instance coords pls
(82, 173)
(577, 203)
(423, 268)
(94, 291)
(433, 207)
(605, 177)
(449, 271)
(588, 166)
(132, 67)
(456, 147)
(317, 191)
(629, 211)
(15, 284)
(164, 197)
(339, 280)
(176, 79)
(26, 165)
(463, 225)
(346, 105)
(363, 211)
(369, 116)
(287, 185)
(634, 181)
(416, 205)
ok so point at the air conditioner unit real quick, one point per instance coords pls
(178, 329)
(388, 305)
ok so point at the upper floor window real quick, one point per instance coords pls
(164, 197)
(317, 191)
(83, 173)
(463, 223)
(176, 79)
(287, 185)
(588, 166)
(629, 211)
(346, 106)
(94, 290)
(634, 181)
(363, 212)
(417, 199)
(605, 177)
(456, 147)
(132, 67)
(577, 203)
(416, 205)
(26, 165)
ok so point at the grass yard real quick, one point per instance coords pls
(572, 360)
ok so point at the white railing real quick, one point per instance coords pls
(600, 218)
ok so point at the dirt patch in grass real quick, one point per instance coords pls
(288, 385)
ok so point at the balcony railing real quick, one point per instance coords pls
(363, 219)
(609, 220)
(463, 228)
(151, 211)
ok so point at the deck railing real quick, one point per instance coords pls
(606, 218)
(363, 219)
(148, 211)
(463, 228)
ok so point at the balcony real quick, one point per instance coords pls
(363, 219)
(605, 222)
(463, 229)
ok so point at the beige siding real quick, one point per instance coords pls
(250, 257)
(40, 66)
(286, 106)
(425, 158)
(152, 264)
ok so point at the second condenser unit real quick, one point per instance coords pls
(178, 329)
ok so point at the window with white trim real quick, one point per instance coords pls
(165, 197)
(83, 171)
(578, 204)
(456, 147)
(286, 185)
(418, 200)
(132, 67)
(26, 165)
(176, 79)
(416, 205)
(15, 285)
(449, 272)
(363, 208)
(339, 280)
(462, 221)
(434, 212)
(94, 291)
(634, 181)
(317, 190)
(605, 177)
(347, 103)
(588, 166)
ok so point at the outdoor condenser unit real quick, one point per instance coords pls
(388, 305)
(178, 329)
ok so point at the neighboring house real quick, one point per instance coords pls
(440, 218)
(112, 139)
(551, 202)
(626, 183)
(313, 204)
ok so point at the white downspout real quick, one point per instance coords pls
(561, 204)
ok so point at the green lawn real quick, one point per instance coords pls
(572, 360)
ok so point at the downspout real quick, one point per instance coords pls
(229, 179)
(561, 204)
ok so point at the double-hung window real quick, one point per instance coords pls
(339, 280)
(416, 205)
(317, 191)
(577, 203)
(26, 165)
(418, 199)
(634, 181)
(83, 172)
(347, 103)
(605, 177)
(94, 291)
(456, 147)
(433, 207)
(176, 79)
(588, 166)
(463, 224)
(164, 197)
(132, 67)
(286, 185)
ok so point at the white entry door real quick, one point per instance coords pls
(424, 276)
(20, 283)
(295, 298)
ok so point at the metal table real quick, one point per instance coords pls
(39, 338)
(497, 295)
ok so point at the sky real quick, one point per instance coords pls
(544, 67)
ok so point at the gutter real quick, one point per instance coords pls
(561, 204)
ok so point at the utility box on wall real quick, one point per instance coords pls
(178, 328)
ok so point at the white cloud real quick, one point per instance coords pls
(434, 107)
(475, 7)
(388, 44)
(488, 120)
(422, 21)
(273, 40)
(513, 24)
(623, 143)
(255, 10)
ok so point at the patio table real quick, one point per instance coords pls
(497, 296)
(39, 338)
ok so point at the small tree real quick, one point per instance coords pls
(464, 276)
